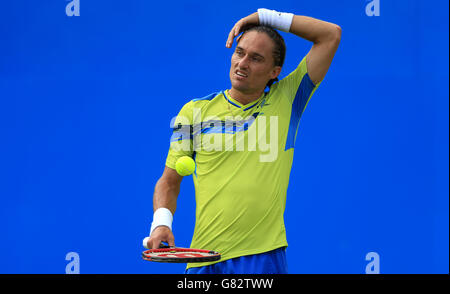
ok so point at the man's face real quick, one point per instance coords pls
(252, 64)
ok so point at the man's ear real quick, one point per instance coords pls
(275, 72)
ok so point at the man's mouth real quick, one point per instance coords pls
(241, 74)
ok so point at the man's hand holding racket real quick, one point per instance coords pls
(158, 252)
(159, 235)
(161, 253)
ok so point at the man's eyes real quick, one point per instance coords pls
(255, 58)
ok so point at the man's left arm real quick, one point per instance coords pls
(326, 37)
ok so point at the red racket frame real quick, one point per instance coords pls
(211, 255)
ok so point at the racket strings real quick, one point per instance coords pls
(179, 250)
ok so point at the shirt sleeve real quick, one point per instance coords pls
(298, 87)
(182, 136)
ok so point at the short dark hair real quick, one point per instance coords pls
(279, 51)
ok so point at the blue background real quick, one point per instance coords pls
(85, 107)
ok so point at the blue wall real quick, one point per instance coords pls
(85, 107)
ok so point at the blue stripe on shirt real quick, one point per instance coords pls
(301, 98)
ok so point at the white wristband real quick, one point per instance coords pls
(278, 20)
(162, 217)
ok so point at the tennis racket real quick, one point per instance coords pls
(180, 255)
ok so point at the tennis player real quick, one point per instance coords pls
(241, 180)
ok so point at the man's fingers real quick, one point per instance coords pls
(230, 37)
(171, 241)
(241, 25)
(237, 30)
(155, 243)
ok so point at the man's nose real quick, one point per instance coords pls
(243, 63)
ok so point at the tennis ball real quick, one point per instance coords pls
(185, 166)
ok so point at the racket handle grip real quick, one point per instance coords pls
(144, 242)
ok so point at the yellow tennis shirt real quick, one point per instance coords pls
(243, 156)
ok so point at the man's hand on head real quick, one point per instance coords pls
(240, 26)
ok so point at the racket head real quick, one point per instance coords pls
(180, 255)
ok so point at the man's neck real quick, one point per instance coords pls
(244, 98)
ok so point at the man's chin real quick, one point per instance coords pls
(240, 87)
